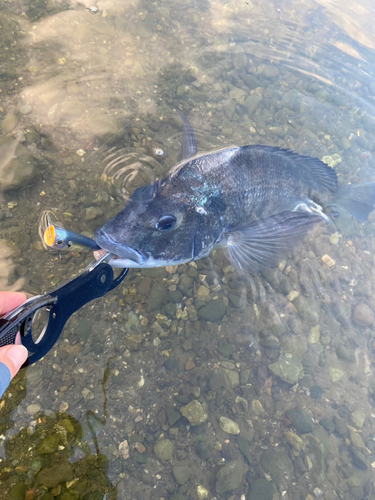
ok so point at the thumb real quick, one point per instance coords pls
(13, 356)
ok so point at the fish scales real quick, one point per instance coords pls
(257, 201)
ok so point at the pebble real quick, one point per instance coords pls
(294, 440)
(123, 449)
(213, 311)
(292, 295)
(300, 421)
(163, 449)
(181, 473)
(288, 367)
(9, 123)
(194, 412)
(314, 336)
(229, 426)
(230, 476)
(33, 408)
(356, 439)
(335, 374)
(358, 418)
(25, 110)
(328, 261)
(362, 315)
(261, 489)
(202, 492)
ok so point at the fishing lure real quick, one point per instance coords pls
(56, 237)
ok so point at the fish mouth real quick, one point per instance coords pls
(130, 256)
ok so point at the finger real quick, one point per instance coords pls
(10, 300)
(13, 356)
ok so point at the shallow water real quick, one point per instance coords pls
(288, 356)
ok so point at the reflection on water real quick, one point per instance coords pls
(188, 382)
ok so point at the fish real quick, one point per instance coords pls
(56, 237)
(256, 201)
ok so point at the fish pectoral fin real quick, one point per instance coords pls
(264, 242)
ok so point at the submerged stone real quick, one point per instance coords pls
(277, 464)
(288, 367)
(362, 315)
(213, 311)
(163, 449)
(230, 476)
(229, 426)
(17, 168)
(261, 489)
(300, 421)
(52, 476)
(194, 412)
(181, 473)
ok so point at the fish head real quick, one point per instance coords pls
(158, 227)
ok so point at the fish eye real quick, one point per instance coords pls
(166, 223)
(59, 242)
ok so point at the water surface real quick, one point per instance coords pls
(88, 101)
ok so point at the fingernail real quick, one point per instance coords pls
(18, 355)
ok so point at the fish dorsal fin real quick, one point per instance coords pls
(323, 176)
(264, 242)
(188, 144)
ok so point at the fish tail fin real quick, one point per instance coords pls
(357, 200)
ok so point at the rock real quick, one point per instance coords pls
(294, 440)
(251, 103)
(316, 392)
(163, 449)
(52, 476)
(203, 451)
(17, 168)
(123, 449)
(300, 421)
(356, 440)
(202, 492)
(92, 213)
(230, 476)
(345, 352)
(181, 473)
(104, 126)
(157, 297)
(328, 424)
(362, 315)
(288, 367)
(17, 492)
(270, 71)
(244, 447)
(239, 58)
(229, 426)
(358, 459)
(144, 285)
(173, 416)
(261, 489)
(194, 412)
(256, 407)
(277, 464)
(25, 110)
(340, 426)
(229, 378)
(213, 311)
(335, 373)
(33, 408)
(9, 123)
(49, 444)
(358, 418)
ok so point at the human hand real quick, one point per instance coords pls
(12, 356)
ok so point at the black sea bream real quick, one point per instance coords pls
(257, 201)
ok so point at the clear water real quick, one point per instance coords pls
(91, 96)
